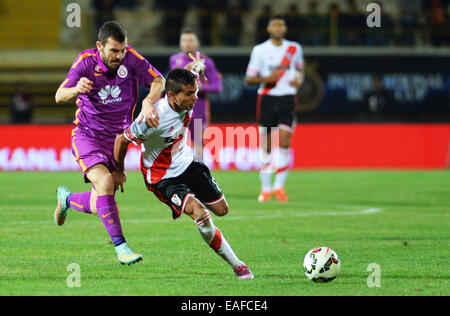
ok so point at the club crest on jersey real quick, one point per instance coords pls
(176, 200)
(98, 69)
(122, 72)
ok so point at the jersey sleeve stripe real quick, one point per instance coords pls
(128, 135)
(135, 53)
(152, 72)
(75, 64)
(64, 83)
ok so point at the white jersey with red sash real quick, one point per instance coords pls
(266, 57)
(165, 153)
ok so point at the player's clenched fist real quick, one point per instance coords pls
(84, 86)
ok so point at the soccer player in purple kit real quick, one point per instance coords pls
(103, 82)
(189, 44)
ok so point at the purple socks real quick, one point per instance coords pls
(107, 211)
(80, 202)
(109, 214)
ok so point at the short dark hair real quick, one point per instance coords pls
(112, 29)
(188, 30)
(275, 17)
(177, 78)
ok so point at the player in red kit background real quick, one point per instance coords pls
(277, 66)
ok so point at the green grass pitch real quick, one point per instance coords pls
(398, 220)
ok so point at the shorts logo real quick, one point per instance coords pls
(113, 91)
(122, 72)
(176, 200)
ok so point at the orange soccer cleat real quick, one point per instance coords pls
(264, 196)
(281, 195)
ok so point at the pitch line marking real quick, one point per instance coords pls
(167, 220)
(310, 214)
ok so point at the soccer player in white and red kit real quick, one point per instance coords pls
(169, 168)
(277, 66)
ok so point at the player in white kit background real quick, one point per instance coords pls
(169, 168)
(276, 65)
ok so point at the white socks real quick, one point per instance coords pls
(266, 171)
(277, 162)
(214, 238)
(284, 157)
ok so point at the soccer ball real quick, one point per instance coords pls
(321, 264)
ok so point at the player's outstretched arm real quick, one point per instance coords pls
(120, 151)
(148, 111)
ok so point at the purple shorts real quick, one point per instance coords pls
(198, 120)
(90, 150)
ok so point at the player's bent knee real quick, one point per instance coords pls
(223, 210)
(220, 209)
(105, 185)
(194, 208)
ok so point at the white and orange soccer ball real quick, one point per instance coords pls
(321, 264)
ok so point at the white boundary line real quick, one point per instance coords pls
(230, 218)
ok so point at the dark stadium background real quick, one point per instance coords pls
(409, 54)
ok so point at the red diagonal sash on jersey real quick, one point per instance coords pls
(163, 162)
(164, 159)
(285, 62)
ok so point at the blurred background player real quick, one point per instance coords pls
(189, 44)
(170, 171)
(277, 66)
(21, 109)
(103, 83)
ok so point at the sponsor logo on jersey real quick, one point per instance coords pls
(113, 91)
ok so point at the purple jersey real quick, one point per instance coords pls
(214, 84)
(108, 108)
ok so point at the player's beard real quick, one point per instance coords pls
(110, 68)
(113, 69)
